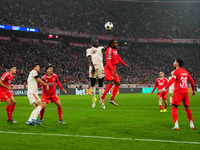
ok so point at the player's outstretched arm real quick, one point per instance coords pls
(192, 84)
(122, 62)
(8, 87)
(156, 84)
(60, 86)
(42, 82)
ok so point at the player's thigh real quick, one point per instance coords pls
(8, 102)
(177, 98)
(44, 104)
(165, 96)
(186, 100)
(34, 99)
(58, 103)
(100, 72)
(4, 96)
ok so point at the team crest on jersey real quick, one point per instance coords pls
(115, 52)
(53, 79)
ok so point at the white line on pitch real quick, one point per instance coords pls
(167, 141)
(100, 137)
(67, 135)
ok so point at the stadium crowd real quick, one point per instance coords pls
(143, 20)
(71, 64)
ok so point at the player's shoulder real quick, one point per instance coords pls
(44, 76)
(88, 49)
(100, 47)
(6, 74)
(54, 75)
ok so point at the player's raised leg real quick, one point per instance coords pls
(114, 92)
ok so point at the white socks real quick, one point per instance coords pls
(93, 90)
(101, 91)
(31, 116)
(191, 124)
(170, 100)
(35, 113)
(176, 124)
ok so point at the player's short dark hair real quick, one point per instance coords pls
(94, 39)
(35, 64)
(47, 67)
(111, 42)
(180, 62)
(11, 66)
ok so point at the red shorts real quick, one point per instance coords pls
(163, 95)
(110, 75)
(53, 98)
(4, 95)
(181, 96)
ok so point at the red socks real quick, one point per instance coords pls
(42, 113)
(114, 92)
(12, 109)
(165, 106)
(9, 114)
(161, 107)
(174, 114)
(189, 114)
(107, 89)
(60, 113)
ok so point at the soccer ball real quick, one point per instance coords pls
(109, 26)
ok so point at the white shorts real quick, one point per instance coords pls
(171, 90)
(99, 71)
(33, 98)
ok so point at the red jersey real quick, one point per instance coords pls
(113, 58)
(51, 81)
(180, 77)
(160, 83)
(6, 79)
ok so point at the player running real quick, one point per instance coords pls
(33, 80)
(6, 94)
(180, 77)
(160, 83)
(171, 89)
(51, 80)
(96, 69)
(112, 59)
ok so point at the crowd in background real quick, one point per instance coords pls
(143, 20)
(71, 64)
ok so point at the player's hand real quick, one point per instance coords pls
(93, 71)
(64, 90)
(10, 88)
(127, 66)
(193, 93)
(115, 72)
(160, 91)
(43, 79)
(47, 87)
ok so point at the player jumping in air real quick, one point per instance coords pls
(180, 77)
(171, 89)
(112, 59)
(6, 94)
(33, 80)
(160, 83)
(96, 69)
(51, 80)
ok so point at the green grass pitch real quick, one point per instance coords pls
(136, 117)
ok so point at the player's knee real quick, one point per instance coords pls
(176, 106)
(13, 102)
(118, 84)
(92, 82)
(59, 105)
(186, 107)
(111, 82)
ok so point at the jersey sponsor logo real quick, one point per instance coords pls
(184, 74)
